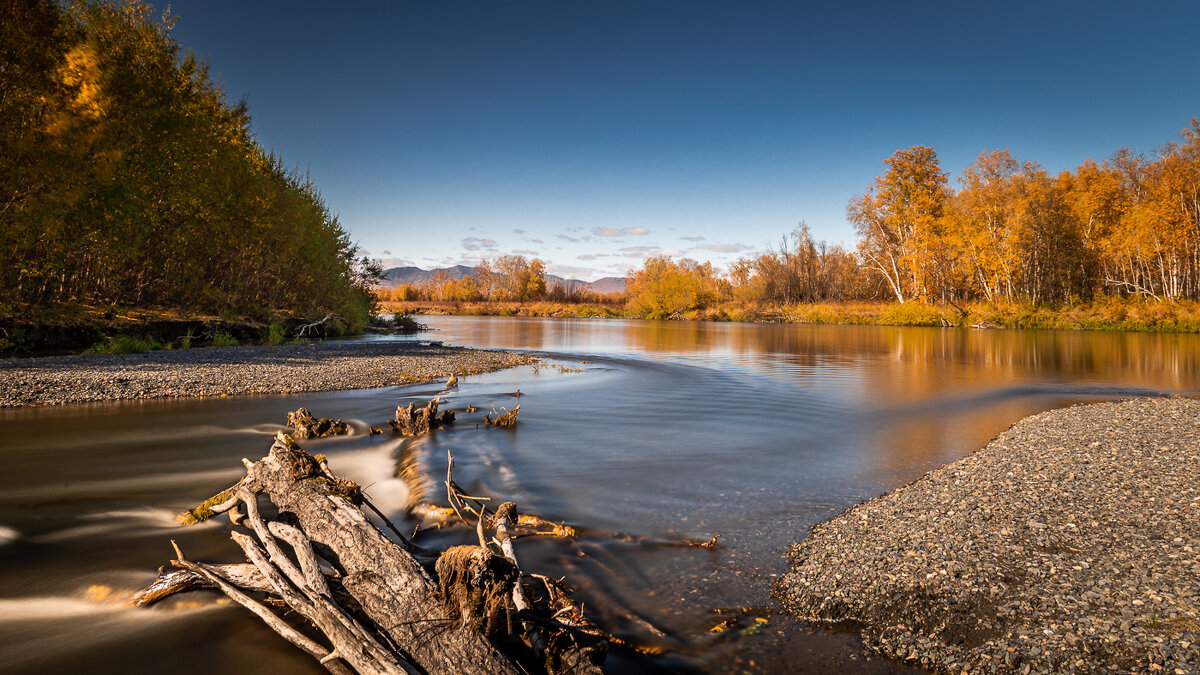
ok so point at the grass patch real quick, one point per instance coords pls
(221, 338)
(122, 345)
(275, 334)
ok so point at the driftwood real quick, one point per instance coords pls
(413, 421)
(508, 419)
(579, 647)
(304, 425)
(380, 611)
(311, 328)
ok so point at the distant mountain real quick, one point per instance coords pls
(608, 285)
(396, 276)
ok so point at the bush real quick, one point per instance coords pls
(223, 339)
(275, 334)
(122, 345)
(405, 323)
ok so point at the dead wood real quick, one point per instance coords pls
(560, 647)
(508, 419)
(215, 505)
(243, 575)
(311, 328)
(384, 614)
(326, 564)
(477, 587)
(413, 421)
(304, 425)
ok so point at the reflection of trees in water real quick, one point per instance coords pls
(917, 355)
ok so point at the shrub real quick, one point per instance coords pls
(223, 339)
(275, 334)
(122, 345)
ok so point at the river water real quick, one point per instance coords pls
(660, 431)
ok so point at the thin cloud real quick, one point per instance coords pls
(391, 262)
(566, 238)
(614, 232)
(695, 238)
(724, 248)
(571, 272)
(477, 244)
(525, 251)
(518, 231)
(643, 252)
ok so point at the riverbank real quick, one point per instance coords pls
(236, 371)
(1107, 314)
(1070, 543)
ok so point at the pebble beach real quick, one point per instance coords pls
(1069, 544)
(237, 371)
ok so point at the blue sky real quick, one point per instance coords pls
(594, 134)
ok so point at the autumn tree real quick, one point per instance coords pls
(663, 288)
(900, 227)
(516, 278)
(802, 269)
(128, 179)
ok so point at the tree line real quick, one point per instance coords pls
(1129, 225)
(128, 179)
(1011, 232)
(507, 278)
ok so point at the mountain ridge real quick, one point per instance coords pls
(397, 276)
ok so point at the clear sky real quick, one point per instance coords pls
(592, 134)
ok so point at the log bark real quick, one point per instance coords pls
(243, 575)
(389, 585)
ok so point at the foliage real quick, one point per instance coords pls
(122, 345)
(1013, 233)
(129, 180)
(405, 323)
(221, 338)
(275, 334)
(665, 289)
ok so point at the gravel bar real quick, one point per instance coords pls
(233, 371)
(1070, 544)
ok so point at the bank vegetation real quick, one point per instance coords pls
(128, 180)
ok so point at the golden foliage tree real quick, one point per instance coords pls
(899, 224)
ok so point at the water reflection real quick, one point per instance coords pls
(669, 430)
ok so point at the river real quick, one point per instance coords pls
(658, 430)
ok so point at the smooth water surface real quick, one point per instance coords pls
(642, 434)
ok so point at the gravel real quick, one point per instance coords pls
(1071, 543)
(233, 371)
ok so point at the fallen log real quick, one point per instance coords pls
(325, 563)
(384, 614)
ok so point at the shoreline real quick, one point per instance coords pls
(1180, 318)
(234, 371)
(1070, 543)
